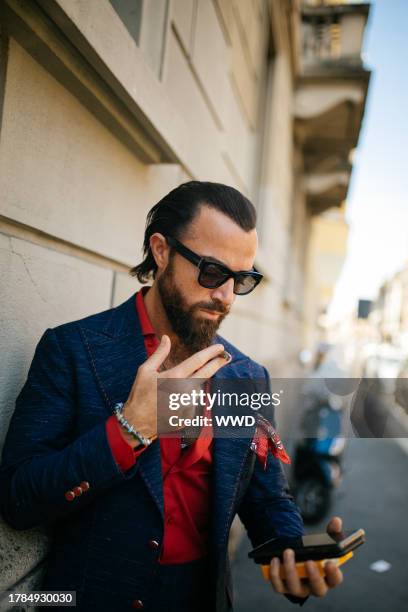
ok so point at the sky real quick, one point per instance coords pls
(377, 206)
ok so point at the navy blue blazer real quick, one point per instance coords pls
(57, 439)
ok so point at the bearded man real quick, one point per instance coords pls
(139, 520)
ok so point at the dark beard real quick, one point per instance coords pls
(194, 334)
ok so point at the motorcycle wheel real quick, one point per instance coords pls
(313, 499)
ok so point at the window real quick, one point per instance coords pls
(130, 13)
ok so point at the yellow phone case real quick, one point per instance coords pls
(301, 568)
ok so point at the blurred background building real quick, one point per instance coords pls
(107, 105)
(375, 335)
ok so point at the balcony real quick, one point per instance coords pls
(330, 97)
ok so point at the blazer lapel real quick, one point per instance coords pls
(116, 351)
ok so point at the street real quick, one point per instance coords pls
(374, 496)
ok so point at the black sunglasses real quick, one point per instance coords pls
(214, 275)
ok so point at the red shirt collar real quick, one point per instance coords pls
(145, 323)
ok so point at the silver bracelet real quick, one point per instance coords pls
(129, 428)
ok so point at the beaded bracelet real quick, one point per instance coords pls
(129, 428)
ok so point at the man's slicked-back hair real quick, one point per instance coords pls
(173, 213)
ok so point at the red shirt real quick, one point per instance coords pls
(186, 477)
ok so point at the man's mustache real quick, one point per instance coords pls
(215, 307)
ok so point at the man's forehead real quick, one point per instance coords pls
(217, 225)
(218, 237)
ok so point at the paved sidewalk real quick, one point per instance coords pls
(374, 495)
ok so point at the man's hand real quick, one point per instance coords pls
(140, 408)
(313, 585)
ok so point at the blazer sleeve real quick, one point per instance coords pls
(268, 508)
(42, 459)
(125, 455)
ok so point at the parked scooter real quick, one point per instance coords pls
(317, 465)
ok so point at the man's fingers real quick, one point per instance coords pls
(160, 354)
(334, 525)
(210, 368)
(292, 579)
(187, 367)
(275, 579)
(318, 586)
(334, 575)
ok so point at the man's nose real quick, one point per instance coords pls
(225, 293)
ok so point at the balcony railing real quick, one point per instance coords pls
(332, 34)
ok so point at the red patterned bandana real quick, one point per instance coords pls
(266, 438)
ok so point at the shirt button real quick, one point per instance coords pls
(69, 495)
(78, 491)
(169, 520)
(153, 544)
(137, 603)
(84, 485)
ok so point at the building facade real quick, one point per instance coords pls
(107, 105)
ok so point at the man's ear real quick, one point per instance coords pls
(160, 250)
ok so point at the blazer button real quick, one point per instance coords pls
(78, 491)
(137, 603)
(153, 544)
(69, 495)
(84, 485)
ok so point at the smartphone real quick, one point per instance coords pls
(315, 546)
